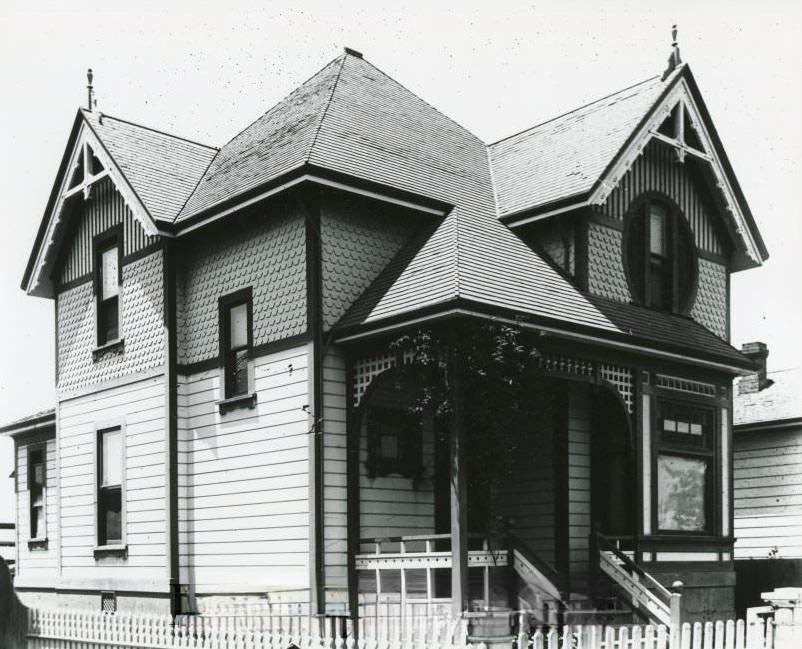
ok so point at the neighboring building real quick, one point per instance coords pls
(768, 478)
(232, 425)
(8, 546)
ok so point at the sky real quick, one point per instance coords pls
(205, 70)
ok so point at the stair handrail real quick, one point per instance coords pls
(606, 543)
(521, 552)
(655, 600)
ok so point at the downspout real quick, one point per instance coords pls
(171, 419)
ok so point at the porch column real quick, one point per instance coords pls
(459, 511)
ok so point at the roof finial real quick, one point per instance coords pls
(674, 59)
(90, 90)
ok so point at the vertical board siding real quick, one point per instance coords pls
(528, 500)
(657, 170)
(141, 327)
(358, 239)
(266, 253)
(38, 562)
(579, 487)
(335, 481)
(243, 481)
(104, 209)
(768, 507)
(139, 407)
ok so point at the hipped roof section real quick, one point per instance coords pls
(354, 122)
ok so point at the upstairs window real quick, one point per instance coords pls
(660, 255)
(236, 342)
(36, 491)
(107, 287)
(110, 479)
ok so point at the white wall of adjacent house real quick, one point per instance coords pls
(243, 483)
(768, 503)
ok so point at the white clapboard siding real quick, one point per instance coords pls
(140, 407)
(243, 480)
(335, 481)
(39, 561)
(767, 473)
(579, 491)
(393, 505)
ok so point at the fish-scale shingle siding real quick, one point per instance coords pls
(141, 327)
(359, 238)
(711, 304)
(606, 275)
(267, 254)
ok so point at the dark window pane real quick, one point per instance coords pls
(110, 515)
(38, 522)
(658, 244)
(108, 321)
(389, 447)
(237, 372)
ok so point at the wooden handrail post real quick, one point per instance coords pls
(675, 606)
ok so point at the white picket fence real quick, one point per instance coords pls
(67, 629)
(719, 635)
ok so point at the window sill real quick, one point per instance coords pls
(240, 401)
(113, 346)
(37, 544)
(102, 551)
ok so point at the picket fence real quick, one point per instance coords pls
(67, 629)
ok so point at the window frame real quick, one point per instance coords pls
(41, 535)
(111, 238)
(408, 462)
(225, 304)
(674, 448)
(675, 222)
(103, 544)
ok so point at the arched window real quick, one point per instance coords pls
(660, 255)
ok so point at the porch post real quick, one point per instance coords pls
(459, 542)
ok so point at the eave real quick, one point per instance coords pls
(542, 326)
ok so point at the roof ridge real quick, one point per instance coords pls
(416, 95)
(492, 181)
(195, 188)
(283, 99)
(573, 110)
(149, 128)
(325, 110)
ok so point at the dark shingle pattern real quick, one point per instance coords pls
(162, 169)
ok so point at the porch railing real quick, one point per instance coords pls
(643, 591)
(428, 553)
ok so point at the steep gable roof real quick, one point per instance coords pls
(567, 155)
(162, 169)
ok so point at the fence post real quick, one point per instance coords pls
(675, 607)
(787, 605)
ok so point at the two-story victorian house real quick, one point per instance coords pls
(234, 424)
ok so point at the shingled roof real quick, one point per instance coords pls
(352, 120)
(566, 156)
(162, 169)
(780, 401)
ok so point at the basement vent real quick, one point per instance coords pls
(108, 602)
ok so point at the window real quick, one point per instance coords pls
(236, 341)
(394, 439)
(685, 467)
(36, 490)
(660, 255)
(107, 286)
(110, 478)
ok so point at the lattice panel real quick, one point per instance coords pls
(621, 378)
(367, 369)
(686, 385)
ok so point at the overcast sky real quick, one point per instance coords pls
(205, 70)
